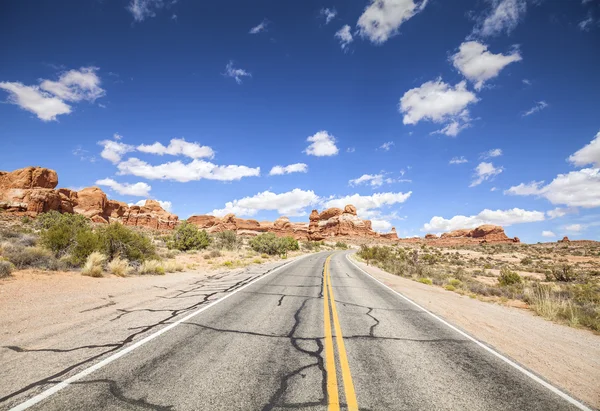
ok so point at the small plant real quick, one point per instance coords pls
(341, 245)
(152, 267)
(116, 239)
(508, 277)
(119, 267)
(265, 256)
(6, 268)
(228, 240)
(563, 274)
(270, 244)
(215, 254)
(527, 261)
(425, 281)
(188, 237)
(93, 266)
(228, 263)
(31, 257)
(450, 287)
(454, 282)
(172, 266)
(257, 261)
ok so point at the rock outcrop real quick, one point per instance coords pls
(330, 223)
(32, 191)
(564, 240)
(486, 233)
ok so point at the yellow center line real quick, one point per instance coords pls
(333, 401)
(341, 348)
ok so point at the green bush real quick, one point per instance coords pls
(31, 257)
(6, 268)
(341, 245)
(59, 231)
(228, 240)
(508, 277)
(117, 240)
(426, 281)
(563, 274)
(188, 237)
(86, 242)
(270, 244)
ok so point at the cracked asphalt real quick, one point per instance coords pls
(263, 349)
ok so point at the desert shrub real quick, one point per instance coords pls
(288, 244)
(461, 274)
(454, 282)
(341, 245)
(311, 245)
(188, 237)
(152, 267)
(93, 266)
(488, 266)
(228, 263)
(527, 261)
(171, 266)
(450, 287)
(270, 244)
(117, 240)
(425, 281)
(119, 267)
(257, 261)
(228, 240)
(58, 231)
(508, 277)
(26, 220)
(565, 273)
(86, 242)
(6, 268)
(31, 257)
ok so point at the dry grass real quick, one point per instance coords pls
(152, 267)
(119, 267)
(172, 266)
(93, 266)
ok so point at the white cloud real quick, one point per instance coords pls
(438, 102)
(539, 106)
(328, 14)
(479, 65)
(114, 150)
(586, 24)
(548, 234)
(576, 189)
(291, 203)
(322, 144)
(561, 212)
(292, 168)
(235, 73)
(485, 171)
(350, 150)
(381, 226)
(32, 99)
(590, 154)
(493, 189)
(366, 204)
(374, 180)
(382, 18)
(496, 217)
(178, 146)
(344, 36)
(260, 27)
(458, 160)
(503, 17)
(141, 9)
(575, 228)
(526, 82)
(47, 100)
(178, 171)
(495, 152)
(137, 189)
(166, 205)
(76, 85)
(387, 146)
(455, 126)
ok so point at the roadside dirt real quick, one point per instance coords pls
(567, 357)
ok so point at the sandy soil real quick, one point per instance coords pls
(567, 357)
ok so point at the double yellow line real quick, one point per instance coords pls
(333, 400)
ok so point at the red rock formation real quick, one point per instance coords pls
(483, 234)
(431, 237)
(564, 240)
(31, 190)
(392, 235)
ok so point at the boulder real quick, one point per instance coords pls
(330, 213)
(392, 235)
(203, 221)
(350, 209)
(564, 240)
(29, 178)
(90, 202)
(431, 237)
(457, 233)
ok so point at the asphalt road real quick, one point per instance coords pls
(315, 333)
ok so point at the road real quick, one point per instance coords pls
(318, 334)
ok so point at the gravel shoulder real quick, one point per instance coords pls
(567, 357)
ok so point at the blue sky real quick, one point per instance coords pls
(426, 115)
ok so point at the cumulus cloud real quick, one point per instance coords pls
(328, 14)
(381, 226)
(262, 26)
(590, 154)
(137, 189)
(383, 18)
(235, 73)
(114, 150)
(142, 9)
(548, 234)
(48, 100)
(178, 171)
(374, 180)
(539, 106)
(166, 205)
(504, 16)
(574, 228)
(176, 147)
(366, 204)
(575, 189)
(495, 152)
(458, 160)
(322, 144)
(485, 171)
(561, 212)
(438, 102)
(344, 36)
(292, 168)
(477, 64)
(496, 217)
(291, 203)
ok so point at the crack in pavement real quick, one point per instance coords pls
(116, 392)
(280, 300)
(98, 307)
(372, 329)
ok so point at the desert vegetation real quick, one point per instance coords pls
(560, 282)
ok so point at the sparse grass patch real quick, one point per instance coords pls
(152, 267)
(172, 266)
(119, 267)
(93, 266)
(6, 268)
(425, 281)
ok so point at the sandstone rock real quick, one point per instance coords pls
(488, 231)
(392, 235)
(457, 233)
(203, 221)
(350, 209)
(29, 178)
(90, 202)
(431, 237)
(330, 212)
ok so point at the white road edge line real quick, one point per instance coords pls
(531, 375)
(56, 388)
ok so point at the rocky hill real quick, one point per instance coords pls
(486, 233)
(32, 190)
